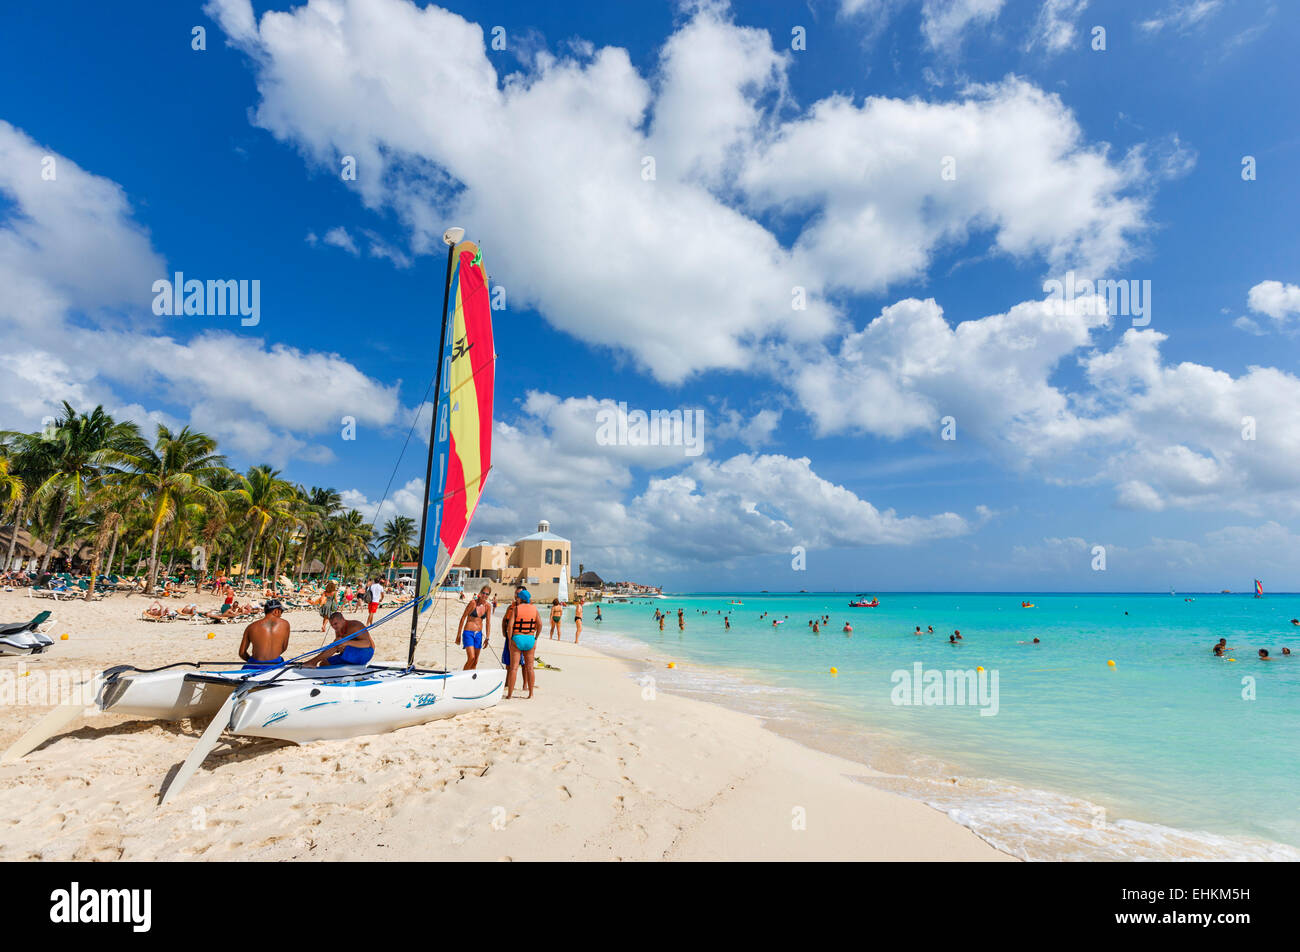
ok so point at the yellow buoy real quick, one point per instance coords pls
(63, 637)
(835, 670)
(672, 664)
(979, 667)
(24, 674)
(211, 635)
(1110, 664)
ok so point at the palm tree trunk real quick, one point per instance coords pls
(302, 562)
(153, 561)
(100, 538)
(13, 535)
(54, 533)
(112, 551)
(248, 555)
(279, 554)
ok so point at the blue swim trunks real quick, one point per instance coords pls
(505, 653)
(253, 665)
(472, 639)
(352, 655)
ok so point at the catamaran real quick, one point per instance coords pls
(300, 704)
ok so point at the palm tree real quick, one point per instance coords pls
(264, 497)
(345, 541)
(397, 541)
(169, 476)
(14, 492)
(79, 444)
(320, 506)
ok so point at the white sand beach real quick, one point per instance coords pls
(588, 770)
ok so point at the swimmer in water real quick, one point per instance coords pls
(1218, 651)
(1034, 642)
(847, 627)
(952, 640)
(918, 630)
(1222, 646)
(957, 635)
(1286, 651)
(929, 629)
(1263, 655)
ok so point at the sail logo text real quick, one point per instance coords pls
(918, 687)
(196, 298)
(74, 905)
(618, 426)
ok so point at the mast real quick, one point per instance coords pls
(450, 237)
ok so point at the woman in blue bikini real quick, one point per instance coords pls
(475, 623)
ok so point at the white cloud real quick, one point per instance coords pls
(546, 465)
(943, 22)
(70, 247)
(670, 270)
(1055, 28)
(873, 178)
(1275, 299)
(1181, 15)
(339, 238)
(1182, 435)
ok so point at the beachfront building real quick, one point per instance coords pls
(536, 560)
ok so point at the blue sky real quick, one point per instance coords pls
(821, 167)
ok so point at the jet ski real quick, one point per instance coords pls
(22, 638)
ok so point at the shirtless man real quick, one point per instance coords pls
(475, 623)
(266, 640)
(356, 650)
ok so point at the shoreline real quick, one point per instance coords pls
(1027, 823)
(593, 768)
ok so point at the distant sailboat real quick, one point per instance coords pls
(1259, 589)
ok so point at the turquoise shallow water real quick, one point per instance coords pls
(1188, 755)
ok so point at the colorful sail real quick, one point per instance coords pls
(1259, 589)
(462, 450)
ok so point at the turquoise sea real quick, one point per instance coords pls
(1171, 753)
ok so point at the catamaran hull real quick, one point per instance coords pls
(24, 643)
(173, 695)
(383, 700)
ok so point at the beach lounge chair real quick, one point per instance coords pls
(14, 628)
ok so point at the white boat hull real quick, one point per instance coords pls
(378, 701)
(303, 704)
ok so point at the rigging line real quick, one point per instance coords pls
(405, 444)
(468, 483)
(473, 374)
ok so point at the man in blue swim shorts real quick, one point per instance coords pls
(266, 639)
(357, 650)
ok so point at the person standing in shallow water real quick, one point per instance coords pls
(577, 619)
(557, 613)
